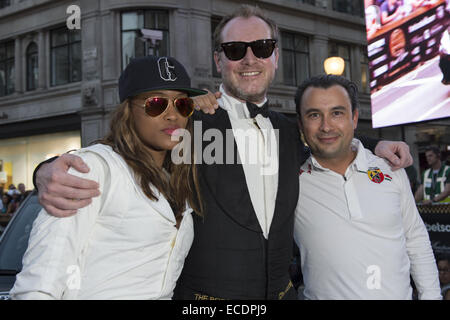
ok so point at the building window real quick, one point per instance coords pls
(144, 32)
(365, 79)
(65, 56)
(311, 2)
(4, 3)
(295, 53)
(7, 75)
(343, 51)
(353, 7)
(215, 20)
(32, 66)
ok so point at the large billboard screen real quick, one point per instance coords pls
(409, 57)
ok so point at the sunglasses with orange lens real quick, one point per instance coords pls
(155, 106)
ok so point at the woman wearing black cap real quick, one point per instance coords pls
(131, 242)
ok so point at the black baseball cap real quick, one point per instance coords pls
(154, 73)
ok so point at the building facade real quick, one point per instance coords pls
(58, 75)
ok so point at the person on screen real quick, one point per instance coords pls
(444, 53)
(356, 223)
(390, 10)
(372, 18)
(410, 5)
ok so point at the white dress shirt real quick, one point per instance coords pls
(121, 246)
(361, 238)
(257, 145)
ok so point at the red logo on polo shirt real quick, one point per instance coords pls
(375, 175)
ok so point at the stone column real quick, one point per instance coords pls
(355, 59)
(42, 61)
(92, 111)
(18, 77)
(318, 54)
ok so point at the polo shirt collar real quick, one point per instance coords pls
(360, 162)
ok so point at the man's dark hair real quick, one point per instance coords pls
(325, 82)
(434, 149)
(244, 11)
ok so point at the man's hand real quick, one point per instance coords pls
(62, 194)
(207, 102)
(396, 152)
(426, 202)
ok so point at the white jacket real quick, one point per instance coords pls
(121, 246)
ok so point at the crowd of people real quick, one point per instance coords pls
(12, 198)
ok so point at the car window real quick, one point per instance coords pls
(14, 240)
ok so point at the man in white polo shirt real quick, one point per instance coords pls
(357, 226)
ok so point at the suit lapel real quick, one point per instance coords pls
(287, 191)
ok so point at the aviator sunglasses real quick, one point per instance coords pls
(154, 106)
(236, 50)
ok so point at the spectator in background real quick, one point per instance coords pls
(11, 189)
(435, 185)
(6, 200)
(390, 10)
(15, 201)
(443, 264)
(1, 197)
(23, 191)
(15, 196)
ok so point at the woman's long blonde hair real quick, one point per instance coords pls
(179, 186)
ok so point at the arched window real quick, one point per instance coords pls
(32, 66)
(7, 68)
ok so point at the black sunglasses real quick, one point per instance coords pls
(154, 106)
(236, 50)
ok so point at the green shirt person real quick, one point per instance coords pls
(435, 185)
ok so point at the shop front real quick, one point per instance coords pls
(24, 145)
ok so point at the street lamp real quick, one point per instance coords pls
(334, 65)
